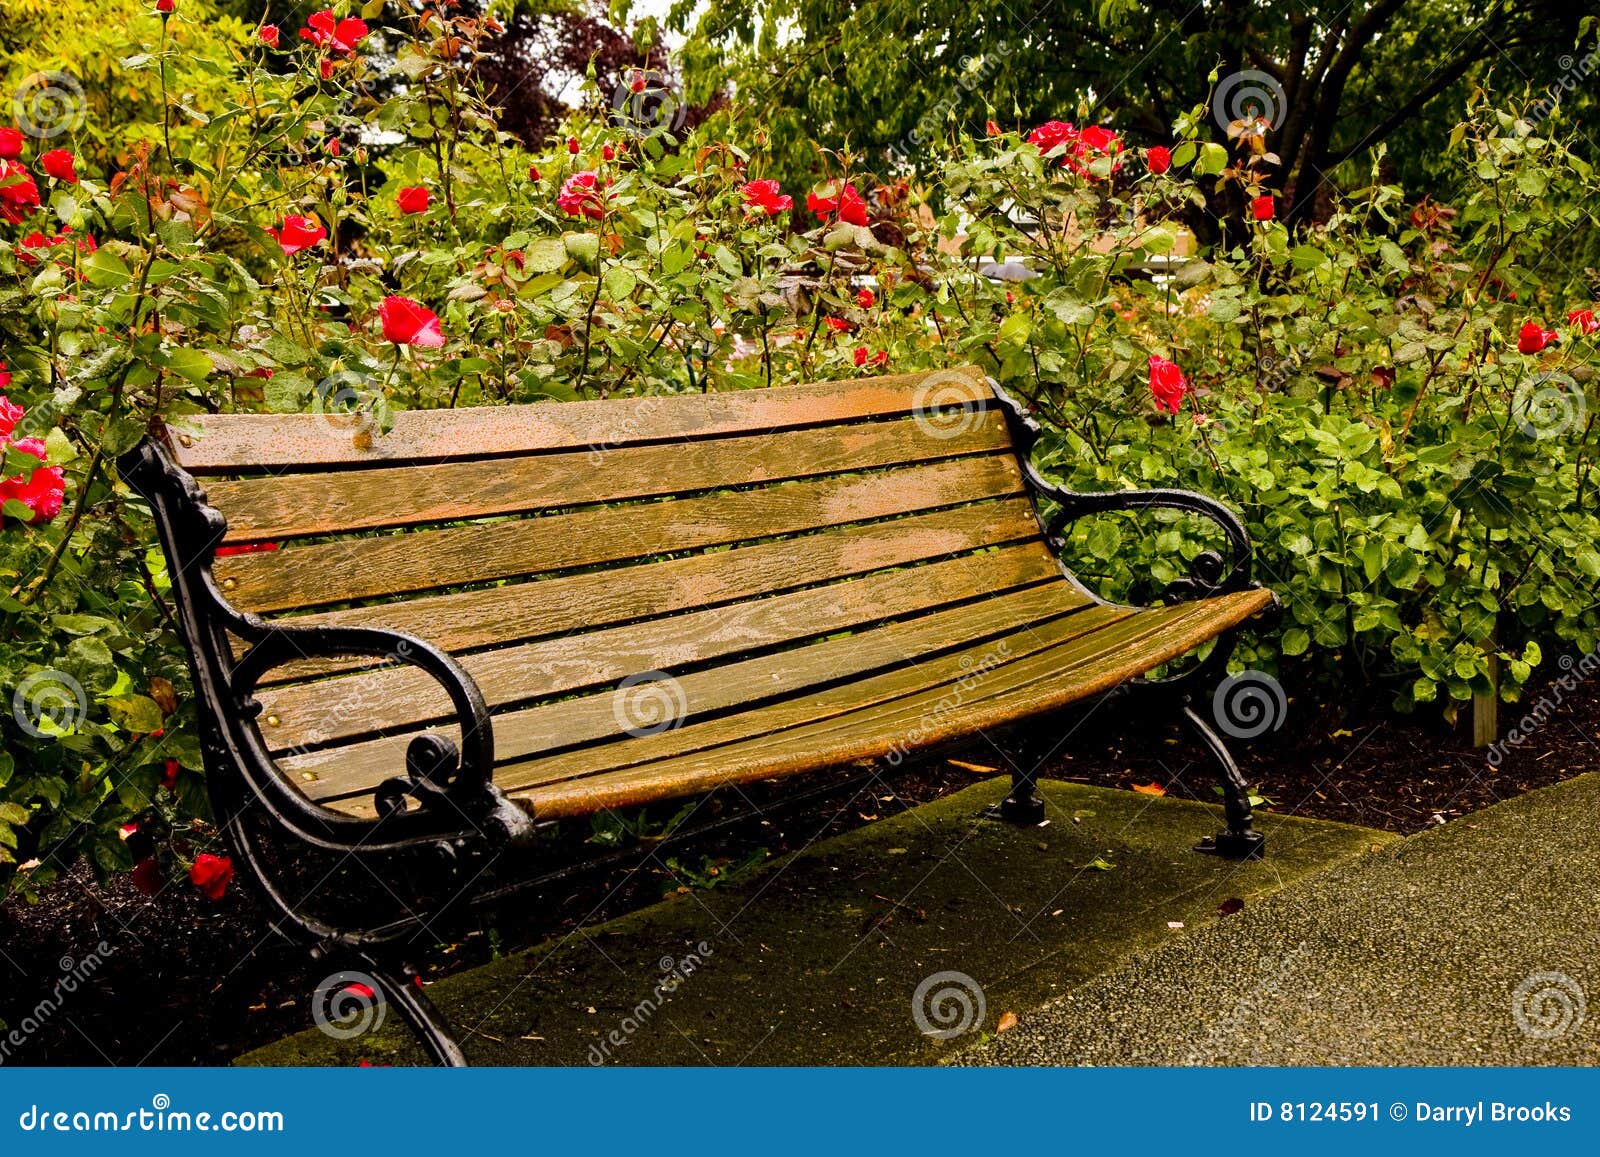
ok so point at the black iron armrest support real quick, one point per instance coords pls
(453, 785)
(1211, 573)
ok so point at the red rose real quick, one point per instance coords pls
(865, 298)
(572, 145)
(1167, 384)
(147, 876)
(837, 324)
(861, 355)
(164, 6)
(57, 163)
(846, 202)
(607, 153)
(406, 322)
(991, 128)
(338, 35)
(1535, 337)
(44, 488)
(169, 774)
(881, 358)
(10, 412)
(579, 196)
(637, 84)
(298, 233)
(1158, 159)
(414, 199)
(325, 66)
(268, 35)
(533, 173)
(765, 197)
(17, 191)
(1050, 134)
(10, 144)
(1262, 208)
(211, 874)
(1582, 320)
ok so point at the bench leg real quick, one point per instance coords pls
(426, 1023)
(1240, 841)
(1022, 806)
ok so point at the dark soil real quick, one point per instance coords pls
(183, 981)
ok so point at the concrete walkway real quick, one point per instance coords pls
(1472, 944)
(894, 944)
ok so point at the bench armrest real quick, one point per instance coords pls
(442, 776)
(1212, 574)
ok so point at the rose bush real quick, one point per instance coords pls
(290, 236)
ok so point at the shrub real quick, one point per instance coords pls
(1356, 391)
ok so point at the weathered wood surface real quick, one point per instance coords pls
(606, 716)
(349, 570)
(467, 620)
(396, 698)
(337, 502)
(237, 443)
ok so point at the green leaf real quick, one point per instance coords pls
(137, 713)
(190, 364)
(546, 255)
(105, 270)
(585, 247)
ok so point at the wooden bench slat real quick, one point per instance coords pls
(904, 710)
(507, 614)
(598, 719)
(349, 571)
(1041, 682)
(399, 698)
(294, 505)
(235, 443)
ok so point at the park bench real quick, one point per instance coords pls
(426, 646)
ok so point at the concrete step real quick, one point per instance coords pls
(875, 947)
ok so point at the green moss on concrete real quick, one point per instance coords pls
(815, 959)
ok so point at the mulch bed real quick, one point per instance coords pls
(190, 982)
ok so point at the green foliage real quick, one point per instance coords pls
(1413, 528)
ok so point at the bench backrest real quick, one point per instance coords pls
(491, 528)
